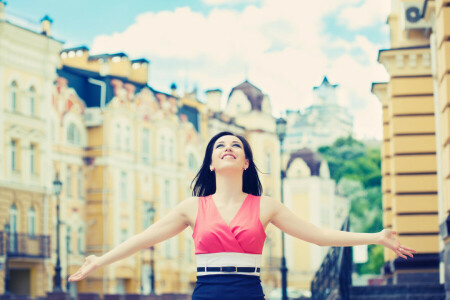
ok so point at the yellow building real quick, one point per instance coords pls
(414, 140)
(28, 62)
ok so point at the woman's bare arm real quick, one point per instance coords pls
(287, 221)
(170, 225)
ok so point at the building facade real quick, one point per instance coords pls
(28, 63)
(415, 145)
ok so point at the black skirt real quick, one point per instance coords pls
(228, 287)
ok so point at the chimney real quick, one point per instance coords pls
(2, 10)
(46, 23)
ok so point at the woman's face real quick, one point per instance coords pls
(228, 153)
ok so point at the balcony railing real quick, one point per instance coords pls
(25, 245)
(333, 279)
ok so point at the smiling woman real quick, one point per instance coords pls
(229, 216)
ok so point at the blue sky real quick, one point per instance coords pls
(284, 47)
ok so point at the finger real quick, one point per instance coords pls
(409, 249)
(393, 232)
(404, 251)
(400, 254)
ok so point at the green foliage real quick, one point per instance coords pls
(349, 160)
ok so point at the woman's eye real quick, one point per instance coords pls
(237, 145)
(219, 146)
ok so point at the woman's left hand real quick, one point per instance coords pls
(387, 239)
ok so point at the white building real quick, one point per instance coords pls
(321, 123)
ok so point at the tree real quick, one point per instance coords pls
(357, 170)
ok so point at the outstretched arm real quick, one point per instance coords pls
(165, 228)
(287, 221)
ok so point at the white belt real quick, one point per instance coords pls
(229, 259)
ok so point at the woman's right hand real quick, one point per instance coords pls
(91, 263)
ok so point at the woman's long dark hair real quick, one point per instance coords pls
(205, 181)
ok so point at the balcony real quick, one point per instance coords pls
(24, 245)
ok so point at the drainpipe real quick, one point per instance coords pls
(102, 86)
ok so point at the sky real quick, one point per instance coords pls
(284, 47)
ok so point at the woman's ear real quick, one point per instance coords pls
(211, 168)
(247, 163)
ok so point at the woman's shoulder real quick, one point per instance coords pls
(269, 201)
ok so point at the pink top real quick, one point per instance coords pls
(244, 234)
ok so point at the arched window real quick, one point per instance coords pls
(13, 218)
(13, 222)
(73, 134)
(127, 138)
(32, 159)
(68, 182)
(118, 136)
(167, 197)
(162, 149)
(145, 145)
(13, 155)
(268, 162)
(123, 187)
(32, 100)
(192, 162)
(31, 222)
(80, 240)
(13, 96)
(80, 183)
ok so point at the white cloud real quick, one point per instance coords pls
(364, 14)
(281, 44)
(228, 2)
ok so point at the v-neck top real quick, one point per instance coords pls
(244, 234)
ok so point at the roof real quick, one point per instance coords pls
(311, 158)
(83, 48)
(254, 94)
(106, 56)
(325, 82)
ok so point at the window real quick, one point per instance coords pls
(145, 145)
(123, 235)
(123, 186)
(80, 183)
(167, 193)
(13, 96)
(268, 162)
(163, 148)
(127, 138)
(118, 134)
(73, 134)
(13, 221)
(192, 162)
(145, 217)
(13, 155)
(32, 100)
(171, 150)
(68, 240)
(167, 249)
(68, 182)
(80, 240)
(31, 222)
(32, 159)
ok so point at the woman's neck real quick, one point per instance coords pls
(228, 187)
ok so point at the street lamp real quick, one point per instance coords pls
(57, 185)
(67, 258)
(151, 216)
(7, 237)
(281, 132)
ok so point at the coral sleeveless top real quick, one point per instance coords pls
(244, 234)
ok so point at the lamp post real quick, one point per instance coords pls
(67, 258)
(7, 234)
(151, 216)
(281, 132)
(57, 185)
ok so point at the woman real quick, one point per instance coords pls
(229, 216)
